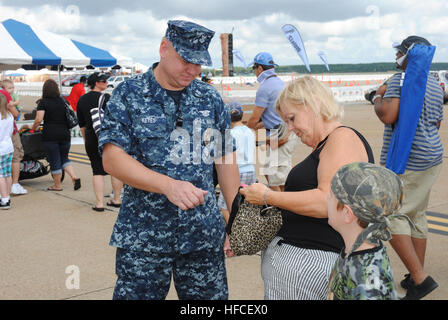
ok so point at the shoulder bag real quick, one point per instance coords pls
(70, 116)
(97, 114)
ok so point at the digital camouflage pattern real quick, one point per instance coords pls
(190, 40)
(141, 119)
(199, 275)
(375, 195)
(364, 275)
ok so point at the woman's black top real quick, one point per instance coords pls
(85, 104)
(308, 232)
(55, 122)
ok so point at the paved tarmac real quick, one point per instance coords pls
(48, 238)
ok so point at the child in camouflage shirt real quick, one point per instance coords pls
(362, 199)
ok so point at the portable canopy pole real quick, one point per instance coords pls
(60, 80)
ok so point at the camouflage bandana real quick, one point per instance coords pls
(375, 195)
(190, 41)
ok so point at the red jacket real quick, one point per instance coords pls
(77, 91)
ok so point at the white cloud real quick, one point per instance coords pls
(348, 32)
(335, 43)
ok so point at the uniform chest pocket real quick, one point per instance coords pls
(152, 144)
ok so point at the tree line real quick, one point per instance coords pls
(334, 68)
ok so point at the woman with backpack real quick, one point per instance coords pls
(95, 98)
(55, 134)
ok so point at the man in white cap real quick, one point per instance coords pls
(277, 162)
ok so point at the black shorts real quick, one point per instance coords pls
(96, 162)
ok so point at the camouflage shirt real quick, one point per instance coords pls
(141, 119)
(364, 275)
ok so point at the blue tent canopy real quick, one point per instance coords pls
(23, 46)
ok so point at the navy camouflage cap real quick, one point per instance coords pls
(374, 193)
(190, 40)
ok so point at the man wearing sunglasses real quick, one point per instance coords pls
(413, 97)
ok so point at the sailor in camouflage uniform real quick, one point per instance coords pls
(370, 194)
(152, 134)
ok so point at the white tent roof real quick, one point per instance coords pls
(22, 45)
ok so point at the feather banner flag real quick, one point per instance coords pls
(240, 57)
(293, 36)
(322, 56)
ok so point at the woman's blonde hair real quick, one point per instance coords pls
(311, 93)
(3, 106)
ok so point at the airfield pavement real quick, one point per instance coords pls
(46, 237)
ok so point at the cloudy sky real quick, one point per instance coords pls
(349, 31)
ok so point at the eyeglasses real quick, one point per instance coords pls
(255, 66)
(103, 81)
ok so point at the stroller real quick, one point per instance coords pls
(31, 167)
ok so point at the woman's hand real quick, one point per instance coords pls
(254, 193)
(38, 120)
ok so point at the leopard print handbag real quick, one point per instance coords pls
(252, 227)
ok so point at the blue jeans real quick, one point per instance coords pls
(57, 155)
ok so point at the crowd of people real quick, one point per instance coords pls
(337, 204)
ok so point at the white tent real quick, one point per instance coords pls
(29, 48)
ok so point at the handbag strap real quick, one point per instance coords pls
(67, 105)
(239, 198)
(101, 101)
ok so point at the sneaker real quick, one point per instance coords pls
(416, 292)
(111, 195)
(17, 189)
(407, 281)
(5, 206)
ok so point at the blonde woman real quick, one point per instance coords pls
(297, 263)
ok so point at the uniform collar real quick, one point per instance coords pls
(265, 74)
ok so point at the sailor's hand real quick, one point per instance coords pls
(185, 195)
(227, 250)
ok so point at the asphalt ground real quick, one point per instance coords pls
(53, 246)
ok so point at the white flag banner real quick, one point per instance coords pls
(322, 56)
(240, 57)
(293, 35)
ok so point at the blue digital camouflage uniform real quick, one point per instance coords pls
(154, 238)
(141, 119)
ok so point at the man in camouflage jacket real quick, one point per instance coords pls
(152, 134)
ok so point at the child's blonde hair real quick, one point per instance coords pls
(4, 82)
(308, 92)
(3, 106)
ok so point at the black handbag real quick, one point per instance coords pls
(70, 116)
(252, 227)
